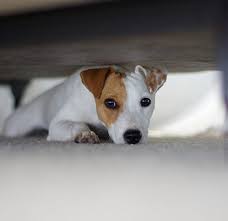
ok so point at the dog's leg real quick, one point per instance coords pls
(66, 130)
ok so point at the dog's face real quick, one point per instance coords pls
(124, 101)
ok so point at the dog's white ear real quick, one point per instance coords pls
(154, 78)
(94, 79)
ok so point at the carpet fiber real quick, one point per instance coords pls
(167, 179)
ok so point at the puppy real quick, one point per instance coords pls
(108, 97)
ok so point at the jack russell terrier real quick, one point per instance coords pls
(107, 97)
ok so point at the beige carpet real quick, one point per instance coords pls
(168, 179)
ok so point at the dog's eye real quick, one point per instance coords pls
(110, 103)
(145, 102)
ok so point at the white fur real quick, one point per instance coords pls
(134, 116)
(66, 109)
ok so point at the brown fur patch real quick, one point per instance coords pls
(114, 88)
(94, 79)
(155, 79)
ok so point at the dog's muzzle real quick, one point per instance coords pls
(132, 136)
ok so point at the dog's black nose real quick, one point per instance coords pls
(132, 136)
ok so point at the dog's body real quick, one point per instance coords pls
(106, 97)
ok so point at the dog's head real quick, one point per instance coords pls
(124, 101)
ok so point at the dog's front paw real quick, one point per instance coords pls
(87, 137)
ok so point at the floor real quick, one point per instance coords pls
(195, 151)
(167, 179)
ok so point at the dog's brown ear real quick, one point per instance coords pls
(94, 79)
(154, 77)
(155, 80)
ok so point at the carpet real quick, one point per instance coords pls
(167, 179)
